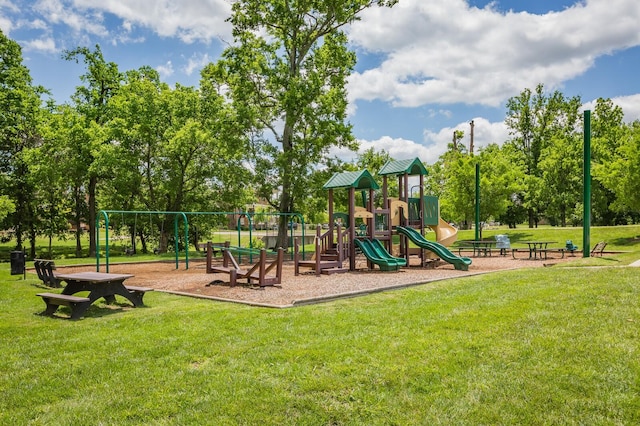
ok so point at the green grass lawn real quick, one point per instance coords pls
(535, 346)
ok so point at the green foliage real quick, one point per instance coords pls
(20, 106)
(287, 75)
(534, 119)
(6, 207)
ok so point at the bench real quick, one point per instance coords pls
(53, 300)
(552, 250)
(480, 251)
(137, 292)
(599, 248)
(44, 268)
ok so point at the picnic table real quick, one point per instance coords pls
(536, 247)
(479, 247)
(98, 284)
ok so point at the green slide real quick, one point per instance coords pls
(460, 263)
(386, 262)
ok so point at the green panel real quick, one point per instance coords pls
(431, 211)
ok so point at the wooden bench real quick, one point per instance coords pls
(138, 292)
(44, 268)
(53, 300)
(599, 248)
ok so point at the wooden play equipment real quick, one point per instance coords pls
(327, 257)
(258, 273)
(351, 181)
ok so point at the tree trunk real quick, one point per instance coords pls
(93, 182)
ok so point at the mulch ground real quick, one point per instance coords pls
(305, 288)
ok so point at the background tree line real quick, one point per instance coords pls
(260, 126)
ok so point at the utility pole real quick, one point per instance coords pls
(455, 141)
(471, 142)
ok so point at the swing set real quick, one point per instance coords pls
(103, 222)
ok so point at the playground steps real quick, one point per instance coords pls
(334, 270)
(323, 266)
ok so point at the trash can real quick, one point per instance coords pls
(17, 263)
(503, 243)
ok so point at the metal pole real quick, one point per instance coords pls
(586, 226)
(477, 201)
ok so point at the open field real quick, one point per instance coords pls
(554, 345)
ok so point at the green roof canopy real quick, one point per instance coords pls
(401, 167)
(357, 180)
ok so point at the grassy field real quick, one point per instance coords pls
(537, 346)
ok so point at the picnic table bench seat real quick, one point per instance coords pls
(560, 250)
(45, 270)
(485, 251)
(138, 292)
(53, 300)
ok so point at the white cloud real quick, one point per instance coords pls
(196, 20)
(630, 106)
(444, 51)
(82, 23)
(47, 45)
(435, 143)
(195, 62)
(165, 70)
(484, 133)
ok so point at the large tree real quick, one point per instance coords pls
(286, 74)
(20, 113)
(101, 81)
(533, 119)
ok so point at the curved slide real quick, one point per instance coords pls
(445, 233)
(375, 252)
(460, 263)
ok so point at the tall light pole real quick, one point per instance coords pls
(471, 141)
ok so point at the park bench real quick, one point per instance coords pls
(546, 251)
(138, 292)
(53, 300)
(44, 269)
(598, 249)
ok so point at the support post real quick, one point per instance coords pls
(477, 202)
(586, 225)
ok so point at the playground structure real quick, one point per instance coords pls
(387, 235)
(404, 218)
(258, 272)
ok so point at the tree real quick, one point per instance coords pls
(608, 134)
(20, 107)
(171, 152)
(102, 81)
(622, 174)
(533, 119)
(286, 75)
(63, 198)
(561, 168)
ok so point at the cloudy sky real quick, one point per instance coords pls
(425, 68)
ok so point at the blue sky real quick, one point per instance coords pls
(425, 68)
